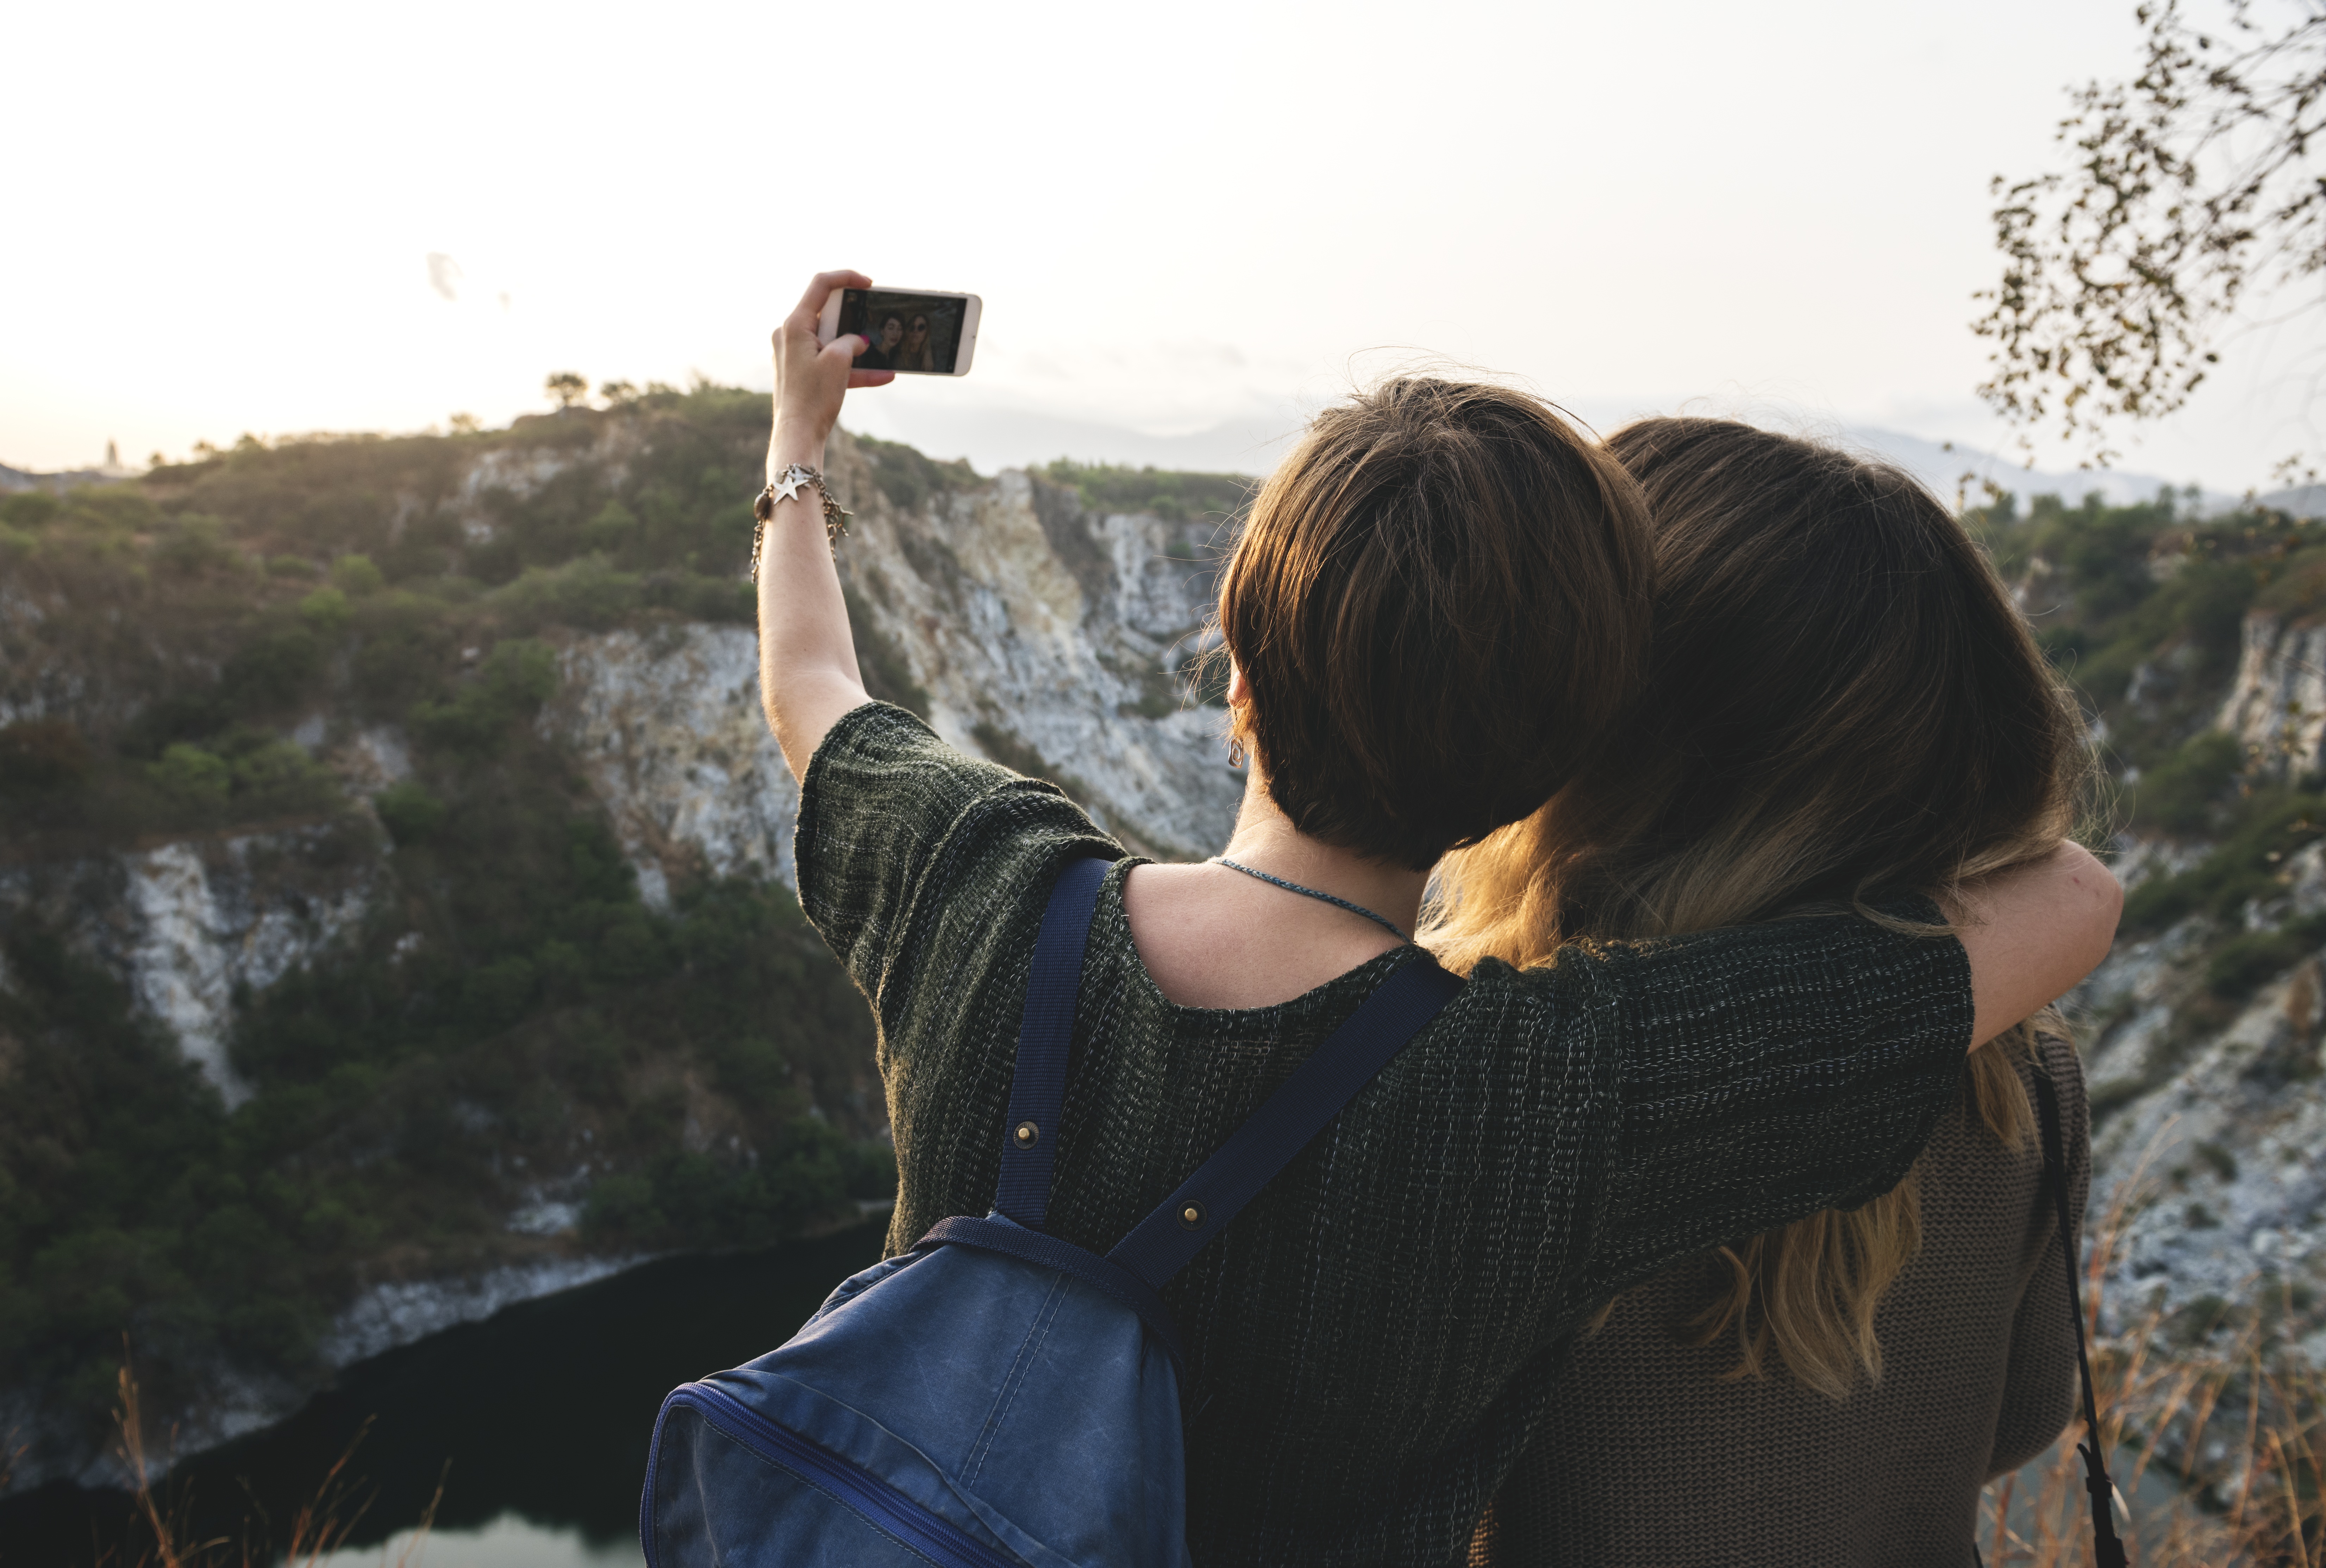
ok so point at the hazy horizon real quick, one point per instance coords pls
(289, 220)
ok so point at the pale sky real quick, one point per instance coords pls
(220, 217)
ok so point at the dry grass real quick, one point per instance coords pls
(2232, 1421)
(160, 1533)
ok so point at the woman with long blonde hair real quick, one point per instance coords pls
(1842, 700)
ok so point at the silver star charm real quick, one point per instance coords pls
(788, 488)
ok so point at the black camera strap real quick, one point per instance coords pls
(2107, 1551)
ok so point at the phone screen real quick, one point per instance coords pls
(907, 332)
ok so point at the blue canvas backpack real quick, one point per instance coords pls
(997, 1397)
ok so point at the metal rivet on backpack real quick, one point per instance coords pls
(1191, 1216)
(1027, 1135)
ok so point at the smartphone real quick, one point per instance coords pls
(913, 331)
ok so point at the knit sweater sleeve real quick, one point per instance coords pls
(1764, 1073)
(889, 813)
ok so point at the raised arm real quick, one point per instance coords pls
(2031, 933)
(807, 658)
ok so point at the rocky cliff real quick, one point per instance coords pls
(2199, 651)
(276, 732)
(2204, 1045)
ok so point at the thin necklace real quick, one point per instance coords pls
(1293, 887)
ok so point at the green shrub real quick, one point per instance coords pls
(588, 592)
(613, 527)
(868, 1169)
(325, 610)
(277, 776)
(629, 948)
(1165, 493)
(30, 509)
(196, 545)
(561, 968)
(292, 566)
(497, 994)
(409, 812)
(700, 1199)
(2264, 828)
(729, 600)
(908, 479)
(753, 1069)
(120, 508)
(2243, 963)
(2184, 794)
(621, 1206)
(273, 669)
(357, 577)
(515, 680)
(193, 777)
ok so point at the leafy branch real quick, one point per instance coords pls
(2191, 192)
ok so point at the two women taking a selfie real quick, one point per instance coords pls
(1699, 1227)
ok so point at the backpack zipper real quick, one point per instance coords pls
(850, 1484)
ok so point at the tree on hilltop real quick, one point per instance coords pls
(2192, 194)
(568, 386)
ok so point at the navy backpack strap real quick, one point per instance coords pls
(1140, 1265)
(1162, 1242)
(1030, 1135)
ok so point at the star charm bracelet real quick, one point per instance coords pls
(787, 488)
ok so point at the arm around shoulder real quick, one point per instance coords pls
(2033, 932)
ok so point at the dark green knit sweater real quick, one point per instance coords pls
(1372, 1339)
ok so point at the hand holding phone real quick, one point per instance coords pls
(912, 332)
(812, 376)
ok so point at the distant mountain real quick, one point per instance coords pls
(15, 481)
(1957, 471)
(993, 439)
(998, 438)
(2306, 500)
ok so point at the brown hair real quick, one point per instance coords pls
(1406, 578)
(1841, 699)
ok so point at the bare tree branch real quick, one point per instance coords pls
(2191, 190)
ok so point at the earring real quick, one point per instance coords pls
(1235, 751)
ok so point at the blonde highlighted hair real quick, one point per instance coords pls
(1841, 701)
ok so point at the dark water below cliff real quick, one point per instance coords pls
(537, 1420)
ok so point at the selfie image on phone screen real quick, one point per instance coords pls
(909, 332)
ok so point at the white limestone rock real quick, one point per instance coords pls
(1031, 622)
(2276, 703)
(185, 923)
(210, 916)
(397, 1312)
(666, 726)
(2223, 1168)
